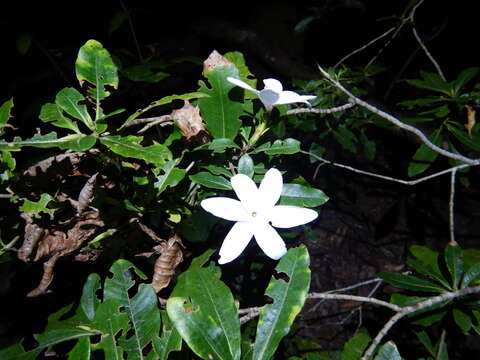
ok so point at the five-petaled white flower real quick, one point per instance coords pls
(273, 94)
(255, 214)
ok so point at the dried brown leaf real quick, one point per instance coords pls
(214, 60)
(86, 194)
(470, 119)
(170, 256)
(189, 120)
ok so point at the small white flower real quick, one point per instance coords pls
(273, 94)
(255, 214)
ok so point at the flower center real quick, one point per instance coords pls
(254, 214)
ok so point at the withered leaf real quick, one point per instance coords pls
(214, 60)
(86, 194)
(189, 120)
(470, 119)
(170, 256)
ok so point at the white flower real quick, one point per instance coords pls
(273, 94)
(255, 214)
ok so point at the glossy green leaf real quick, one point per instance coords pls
(285, 147)
(129, 146)
(245, 165)
(238, 60)
(301, 195)
(219, 145)
(427, 264)
(163, 101)
(169, 341)
(388, 351)
(211, 181)
(81, 350)
(431, 81)
(17, 352)
(425, 340)
(54, 114)
(424, 156)
(462, 320)
(453, 259)
(169, 177)
(355, 347)
(76, 142)
(72, 102)
(219, 111)
(5, 114)
(95, 66)
(470, 276)
(204, 313)
(89, 301)
(288, 296)
(410, 282)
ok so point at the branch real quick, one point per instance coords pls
(384, 177)
(414, 308)
(400, 124)
(250, 313)
(321, 111)
(354, 298)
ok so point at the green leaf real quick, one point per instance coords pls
(355, 347)
(288, 298)
(68, 100)
(171, 176)
(81, 350)
(170, 340)
(17, 352)
(369, 145)
(470, 276)
(346, 138)
(95, 66)
(54, 114)
(388, 351)
(204, 313)
(410, 282)
(146, 72)
(238, 60)
(301, 195)
(219, 145)
(463, 78)
(462, 320)
(462, 136)
(453, 259)
(424, 156)
(76, 142)
(40, 206)
(285, 147)
(211, 181)
(425, 340)
(245, 165)
(431, 81)
(5, 114)
(89, 301)
(219, 111)
(129, 146)
(163, 101)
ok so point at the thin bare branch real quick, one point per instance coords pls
(450, 206)
(321, 111)
(384, 177)
(354, 298)
(250, 313)
(364, 47)
(400, 124)
(414, 308)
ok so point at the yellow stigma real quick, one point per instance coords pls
(254, 214)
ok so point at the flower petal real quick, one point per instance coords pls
(271, 187)
(246, 191)
(286, 216)
(268, 97)
(268, 239)
(290, 97)
(235, 242)
(242, 84)
(225, 208)
(273, 84)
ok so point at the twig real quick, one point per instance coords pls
(412, 309)
(400, 124)
(363, 47)
(321, 111)
(450, 207)
(163, 120)
(132, 29)
(354, 298)
(351, 287)
(384, 177)
(5, 196)
(421, 43)
(250, 313)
